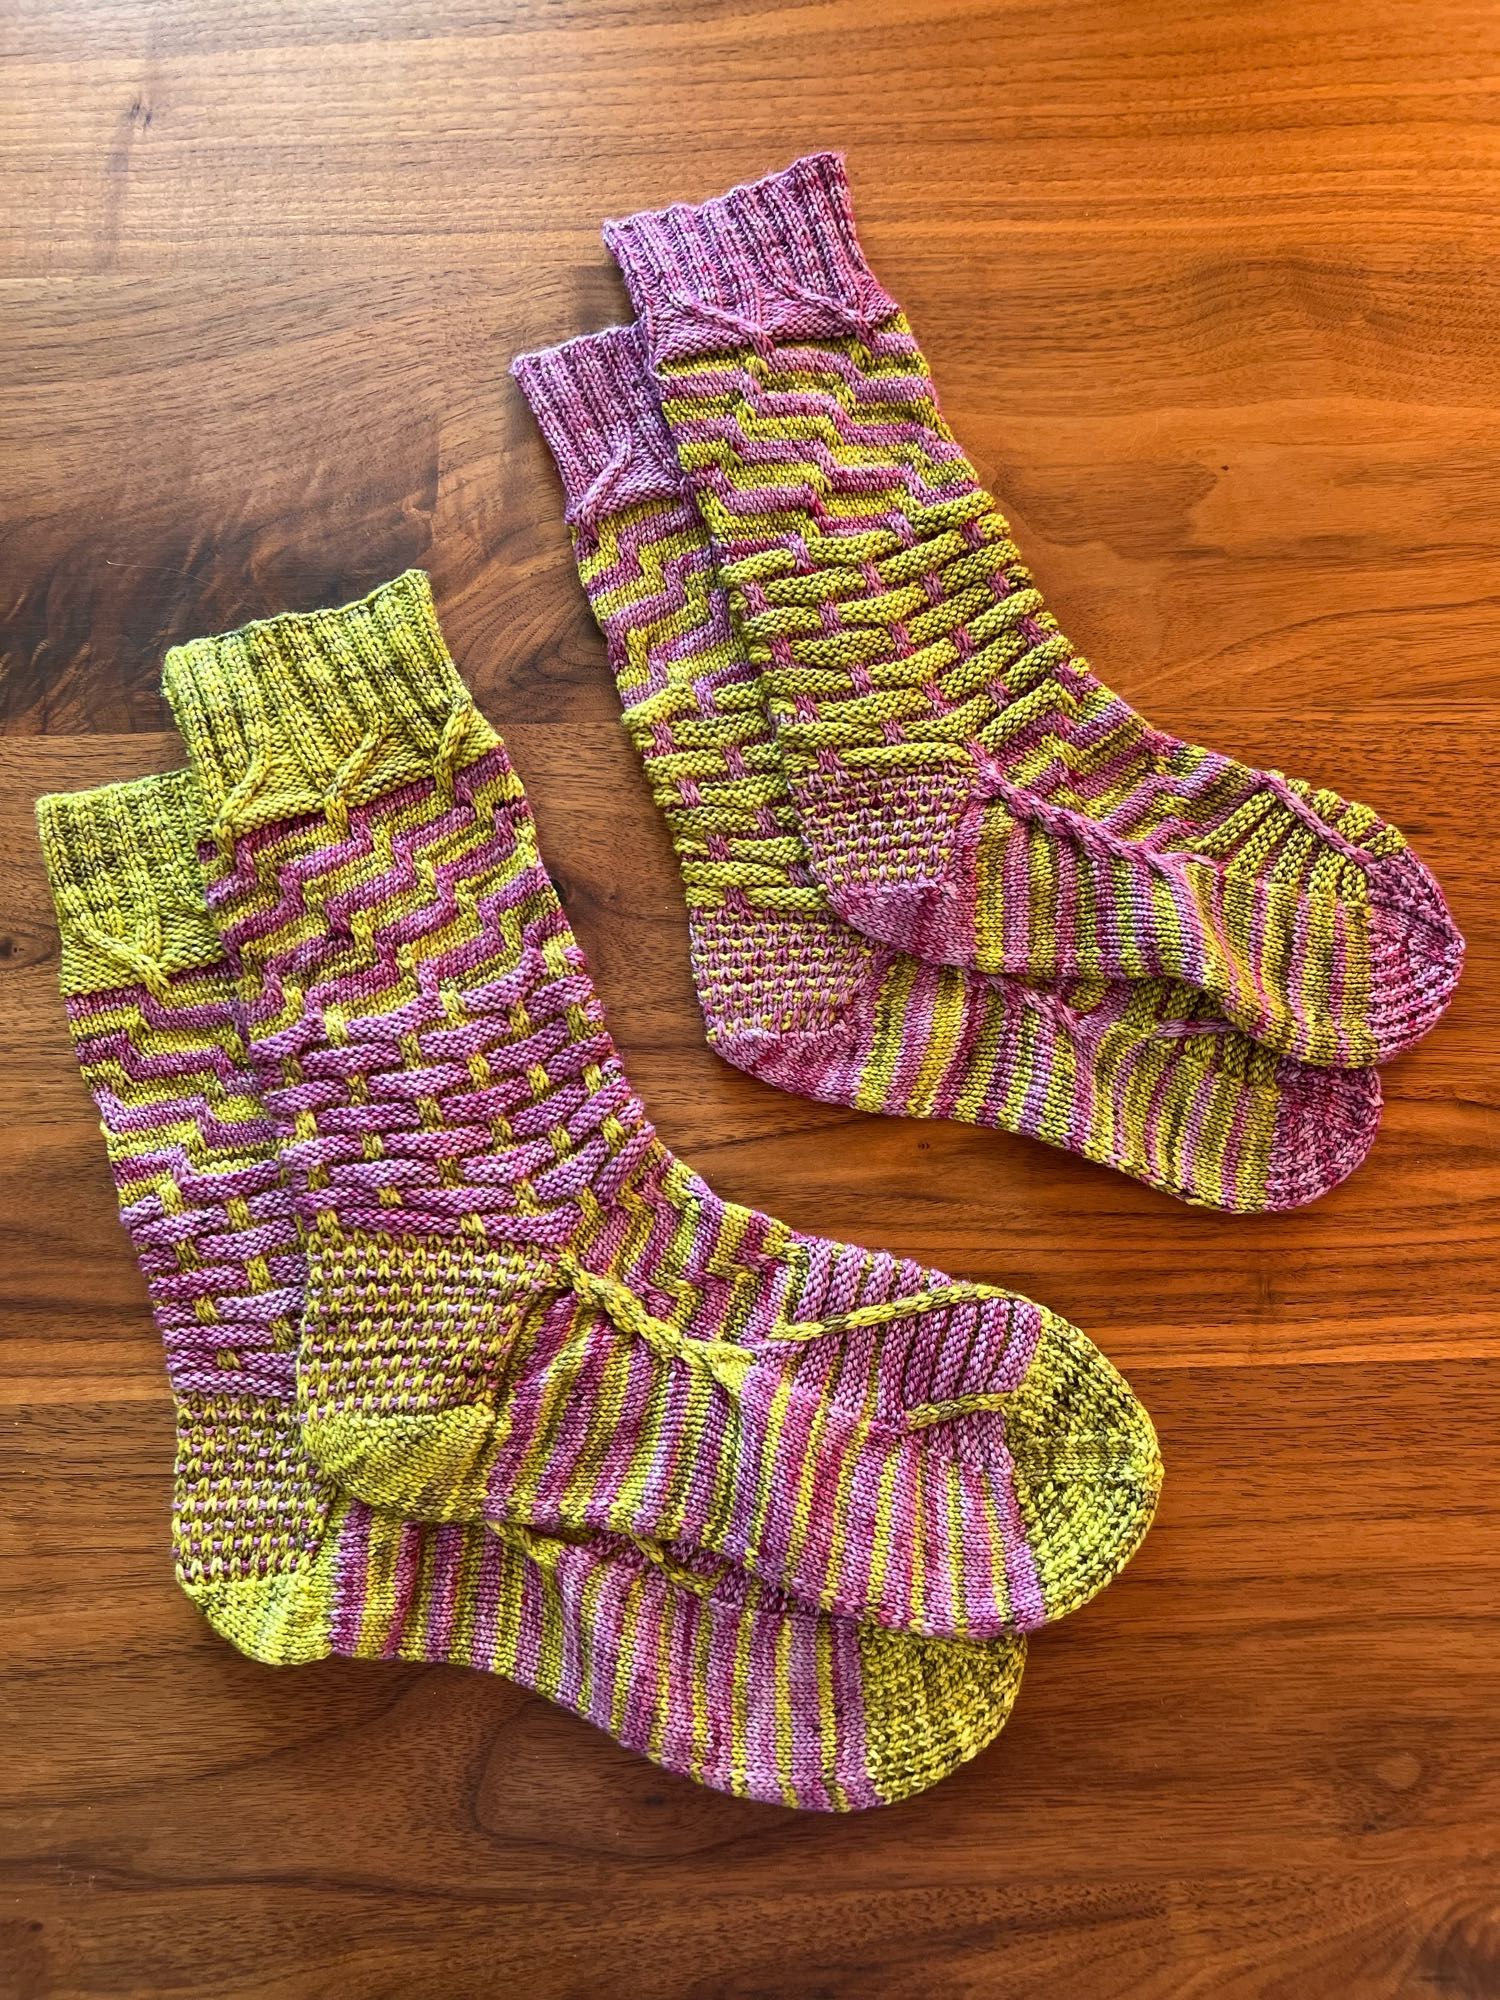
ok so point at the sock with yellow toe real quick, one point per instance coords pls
(520, 1306)
(691, 1663)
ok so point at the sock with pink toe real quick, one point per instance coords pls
(1143, 1076)
(967, 788)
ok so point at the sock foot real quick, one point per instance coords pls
(1343, 981)
(1141, 1077)
(869, 1429)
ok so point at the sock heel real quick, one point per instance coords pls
(399, 1379)
(250, 1524)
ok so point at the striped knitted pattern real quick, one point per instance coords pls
(520, 1306)
(968, 789)
(1146, 1077)
(693, 1664)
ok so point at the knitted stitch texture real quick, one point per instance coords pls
(520, 1305)
(967, 788)
(697, 1666)
(1144, 1076)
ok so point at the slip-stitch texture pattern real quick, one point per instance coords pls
(520, 1305)
(696, 1665)
(1145, 1076)
(968, 789)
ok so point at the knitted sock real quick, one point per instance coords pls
(520, 1305)
(1145, 1076)
(968, 790)
(710, 1673)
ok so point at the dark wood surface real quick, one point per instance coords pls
(1211, 293)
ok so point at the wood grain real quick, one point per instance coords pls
(1211, 291)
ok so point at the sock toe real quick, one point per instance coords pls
(1326, 1121)
(1087, 1468)
(281, 1619)
(1416, 952)
(931, 1704)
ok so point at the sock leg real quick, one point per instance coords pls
(520, 1307)
(967, 788)
(697, 1667)
(1143, 1076)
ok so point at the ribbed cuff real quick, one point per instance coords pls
(775, 259)
(595, 404)
(318, 709)
(123, 868)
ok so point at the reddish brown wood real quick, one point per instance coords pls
(1211, 292)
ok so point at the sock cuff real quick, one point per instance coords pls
(122, 865)
(595, 404)
(776, 258)
(315, 711)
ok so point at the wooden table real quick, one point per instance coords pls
(1212, 295)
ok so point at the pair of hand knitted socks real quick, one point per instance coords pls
(1143, 1075)
(933, 866)
(420, 1258)
(965, 787)
(694, 1664)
